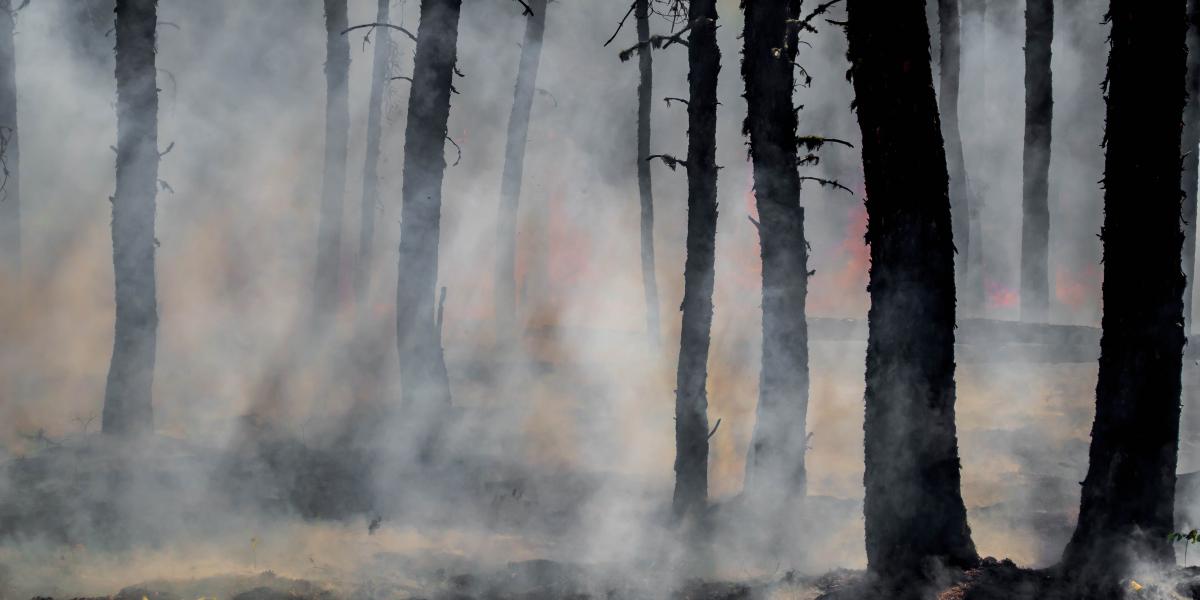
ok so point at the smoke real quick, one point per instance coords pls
(564, 453)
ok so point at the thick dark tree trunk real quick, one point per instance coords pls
(691, 398)
(1127, 503)
(1039, 108)
(333, 180)
(1191, 156)
(10, 149)
(514, 169)
(960, 194)
(425, 383)
(775, 470)
(914, 508)
(127, 394)
(370, 189)
(641, 13)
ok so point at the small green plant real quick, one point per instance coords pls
(1189, 538)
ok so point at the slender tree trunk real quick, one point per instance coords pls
(369, 339)
(641, 13)
(425, 384)
(370, 189)
(1127, 503)
(775, 471)
(951, 61)
(333, 180)
(1039, 109)
(971, 297)
(913, 505)
(1191, 156)
(127, 394)
(691, 399)
(514, 168)
(10, 149)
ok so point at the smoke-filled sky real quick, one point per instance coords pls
(242, 101)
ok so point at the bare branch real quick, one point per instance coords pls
(170, 147)
(668, 160)
(388, 25)
(408, 79)
(661, 41)
(456, 147)
(547, 93)
(828, 183)
(815, 142)
(528, 12)
(714, 430)
(670, 99)
(621, 24)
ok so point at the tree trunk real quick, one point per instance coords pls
(369, 339)
(645, 190)
(127, 393)
(10, 149)
(913, 505)
(775, 472)
(370, 189)
(1127, 503)
(1191, 155)
(691, 399)
(960, 194)
(425, 383)
(971, 298)
(1039, 108)
(333, 179)
(514, 168)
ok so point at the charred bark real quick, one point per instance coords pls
(127, 393)
(425, 383)
(641, 14)
(1039, 109)
(333, 179)
(1191, 156)
(10, 148)
(913, 505)
(1127, 502)
(775, 470)
(370, 189)
(514, 169)
(691, 398)
(949, 24)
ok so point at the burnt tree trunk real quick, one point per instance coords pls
(1039, 109)
(127, 393)
(775, 470)
(514, 169)
(333, 179)
(973, 20)
(1127, 503)
(425, 383)
(370, 340)
(370, 185)
(641, 13)
(10, 148)
(691, 398)
(913, 505)
(1191, 155)
(950, 24)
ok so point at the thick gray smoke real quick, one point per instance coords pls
(565, 454)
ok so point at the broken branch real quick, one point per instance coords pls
(388, 25)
